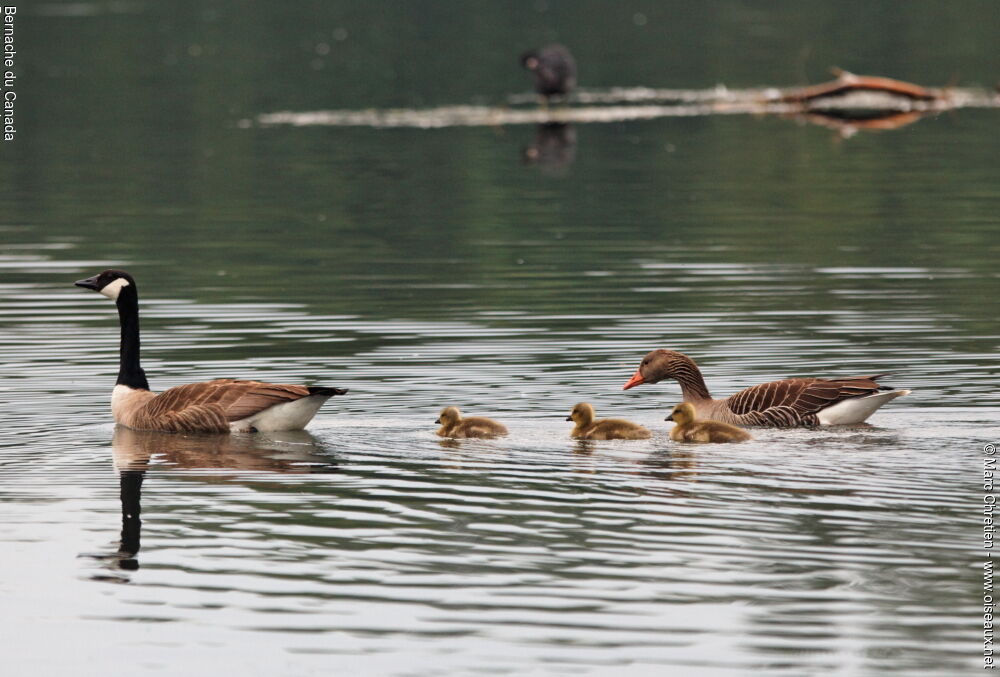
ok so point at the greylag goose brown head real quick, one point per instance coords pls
(662, 364)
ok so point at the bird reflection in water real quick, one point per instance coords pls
(553, 149)
(135, 453)
(674, 465)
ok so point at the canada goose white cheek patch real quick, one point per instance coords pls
(113, 289)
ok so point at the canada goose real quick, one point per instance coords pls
(589, 428)
(689, 429)
(222, 405)
(554, 69)
(453, 425)
(780, 404)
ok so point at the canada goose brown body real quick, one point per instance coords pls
(454, 425)
(781, 404)
(590, 428)
(219, 406)
(688, 428)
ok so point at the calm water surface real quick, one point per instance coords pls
(428, 267)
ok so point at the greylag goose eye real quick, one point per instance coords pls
(590, 428)
(783, 404)
(553, 68)
(219, 406)
(687, 427)
(453, 425)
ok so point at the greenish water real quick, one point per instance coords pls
(423, 267)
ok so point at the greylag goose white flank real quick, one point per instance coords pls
(222, 405)
(778, 404)
(588, 427)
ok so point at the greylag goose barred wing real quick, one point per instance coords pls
(796, 401)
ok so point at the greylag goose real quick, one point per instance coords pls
(219, 406)
(554, 69)
(689, 428)
(779, 404)
(589, 428)
(453, 425)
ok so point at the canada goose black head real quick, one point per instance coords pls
(109, 283)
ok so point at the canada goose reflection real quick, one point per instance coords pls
(135, 453)
(553, 149)
(289, 451)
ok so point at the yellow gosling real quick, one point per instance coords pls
(688, 428)
(589, 428)
(454, 426)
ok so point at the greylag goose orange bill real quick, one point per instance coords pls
(688, 428)
(220, 406)
(455, 426)
(588, 427)
(788, 403)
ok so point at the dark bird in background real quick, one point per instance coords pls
(554, 70)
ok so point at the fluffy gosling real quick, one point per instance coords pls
(453, 425)
(589, 428)
(688, 428)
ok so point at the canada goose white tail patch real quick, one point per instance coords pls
(113, 289)
(856, 409)
(285, 416)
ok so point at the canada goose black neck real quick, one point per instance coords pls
(130, 373)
